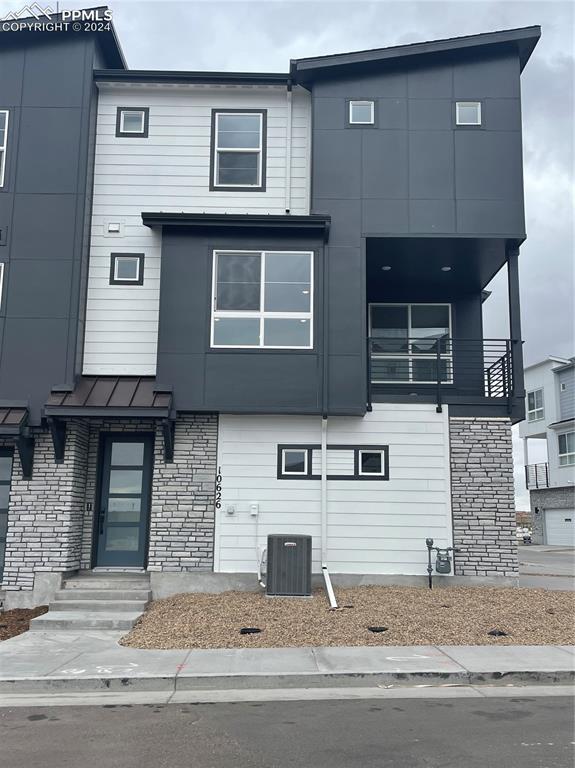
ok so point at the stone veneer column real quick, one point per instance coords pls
(46, 511)
(483, 497)
(183, 497)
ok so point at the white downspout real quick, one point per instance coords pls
(324, 569)
(288, 149)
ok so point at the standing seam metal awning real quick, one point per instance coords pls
(107, 396)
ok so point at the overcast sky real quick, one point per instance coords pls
(264, 36)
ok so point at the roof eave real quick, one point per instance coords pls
(181, 77)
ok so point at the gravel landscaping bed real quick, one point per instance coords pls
(411, 616)
(17, 621)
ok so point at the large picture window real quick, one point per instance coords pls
(3, 143)
(238, 150)
(405, 340)
(263, 299)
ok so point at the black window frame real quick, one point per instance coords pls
(132, 134)
(113, 259)
(214, 187)
(310, 448)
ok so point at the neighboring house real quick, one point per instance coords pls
(240, 304)
(550, 416)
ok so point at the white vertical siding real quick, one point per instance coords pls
(169, 171)
(374, 526)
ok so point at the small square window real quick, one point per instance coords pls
(563, 386)
(468, 113)
(294, 462)
(127, 269)
(371, 463)
(132, 122)
(361, 112)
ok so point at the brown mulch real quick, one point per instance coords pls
(412, 615)
(17, 621)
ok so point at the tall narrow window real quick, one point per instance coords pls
(535, 407)
(3, 143)
(567, 449)
(263, 299)
(5, 479)
(406, 340)
(238, 150)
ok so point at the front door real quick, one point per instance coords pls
(124, 500)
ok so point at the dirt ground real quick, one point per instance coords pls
(15, 622)
(411, 615)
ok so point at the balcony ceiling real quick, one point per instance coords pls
(416, 266)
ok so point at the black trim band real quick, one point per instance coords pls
(310, 448)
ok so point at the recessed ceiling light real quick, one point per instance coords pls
(446, 269)
(386, 268)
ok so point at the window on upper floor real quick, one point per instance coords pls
(361, 112)
(566, 448)
(405, 341)
(563, 386)
(262, 299)
(132, 122)
(238, 150)
(3, 143)
(127, 269)
(371, 462)
(468, 113)
(535, 408)
(294, 461)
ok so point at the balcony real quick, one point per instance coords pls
(537, 476)
(443, 370)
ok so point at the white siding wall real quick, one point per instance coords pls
(374, 526)
(169, 171)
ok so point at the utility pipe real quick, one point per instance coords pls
(288, 148)
(323, 492)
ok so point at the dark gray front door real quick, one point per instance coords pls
(124, 500)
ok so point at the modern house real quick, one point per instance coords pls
(550, 416)
(236, 304)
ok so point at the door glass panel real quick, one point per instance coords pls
(427, 325)
(4, 496)
(3, 525)
(124, 510)
(127, 454)
(389, 326)
(425, 369)
(125, 481)
(385, 369)
(5, 468)
(126, 539)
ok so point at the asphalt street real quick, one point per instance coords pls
(547, 567)
(520, 732)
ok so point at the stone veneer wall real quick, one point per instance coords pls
(183, 492)
(45, 512)
(483, 497)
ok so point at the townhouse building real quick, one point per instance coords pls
(550, 417)
(236, 304)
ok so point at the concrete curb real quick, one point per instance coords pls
(226, 682)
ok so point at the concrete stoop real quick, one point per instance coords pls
(97, 600)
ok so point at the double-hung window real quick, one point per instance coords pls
(535, 407)
(3, 143)
(262, 299)
(406, 340)
(238, 150)
(566, 449)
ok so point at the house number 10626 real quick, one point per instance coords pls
(219, 488)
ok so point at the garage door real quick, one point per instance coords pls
(560, 526)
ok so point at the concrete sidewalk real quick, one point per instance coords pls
(93, 661)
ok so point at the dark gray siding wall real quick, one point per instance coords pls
(412, 174)
(567, 397)
(47, 86)
(257, 381)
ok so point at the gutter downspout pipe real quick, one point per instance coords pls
(288, 147)
(324, 568)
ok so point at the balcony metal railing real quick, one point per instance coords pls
(537, 475)
(469, 368)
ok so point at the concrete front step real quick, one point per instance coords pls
(103, 594)
(74, 620)
(98, 606)
(104, 582)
